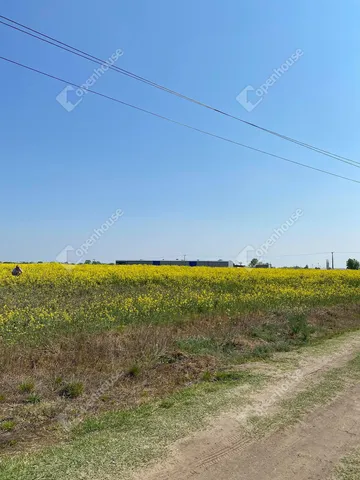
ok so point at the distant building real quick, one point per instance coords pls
(181, 263)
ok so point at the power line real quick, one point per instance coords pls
(64, 46)
(306, 254)
(225, 139)
(298, 254)
(346, 252)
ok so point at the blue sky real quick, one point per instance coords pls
(65, 173)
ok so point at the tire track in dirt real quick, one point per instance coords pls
(228, 438)
(308, 451)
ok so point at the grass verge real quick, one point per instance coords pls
(114, 443)
(119, 441)
(91, 374)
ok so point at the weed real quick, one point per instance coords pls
(282, 346)
(299, 326)
(58, 381)
(72, 390)
(134, 371)
(33, 398)
(27, 387)
(199, 345)
(231, 376)
(171, 358)
(105, 398)
(207, 377)
(269, 332)
(167, 404)
(262, 351)
(7, 426)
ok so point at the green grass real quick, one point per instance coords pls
(207, 376)
(72, 390)
(276, 341)
(27, 387)
(167, 403)
(33, 398)
(269, 332)
(231, 376)
(58, 381)
(199, 346)
(276, 337)
(7, 426)
(349, 467)
(134, 371)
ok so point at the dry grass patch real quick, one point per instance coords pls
(145, 362)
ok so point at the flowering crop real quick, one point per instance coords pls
(48, 297)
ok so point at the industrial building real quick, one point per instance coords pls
(181, 263)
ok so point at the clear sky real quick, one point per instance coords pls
(64, 174)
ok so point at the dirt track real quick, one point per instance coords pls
(309, 450)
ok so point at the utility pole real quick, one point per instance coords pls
(185, 257)
(332, 260)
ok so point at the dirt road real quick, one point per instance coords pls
(308, 449)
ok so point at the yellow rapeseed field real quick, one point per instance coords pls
(49, 297)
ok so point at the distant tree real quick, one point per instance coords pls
(352, 264)
(306, 266)
(87, 262)
(253, 262)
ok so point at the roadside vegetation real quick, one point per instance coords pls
(349, 467)
(114, 444)
(79, 344)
